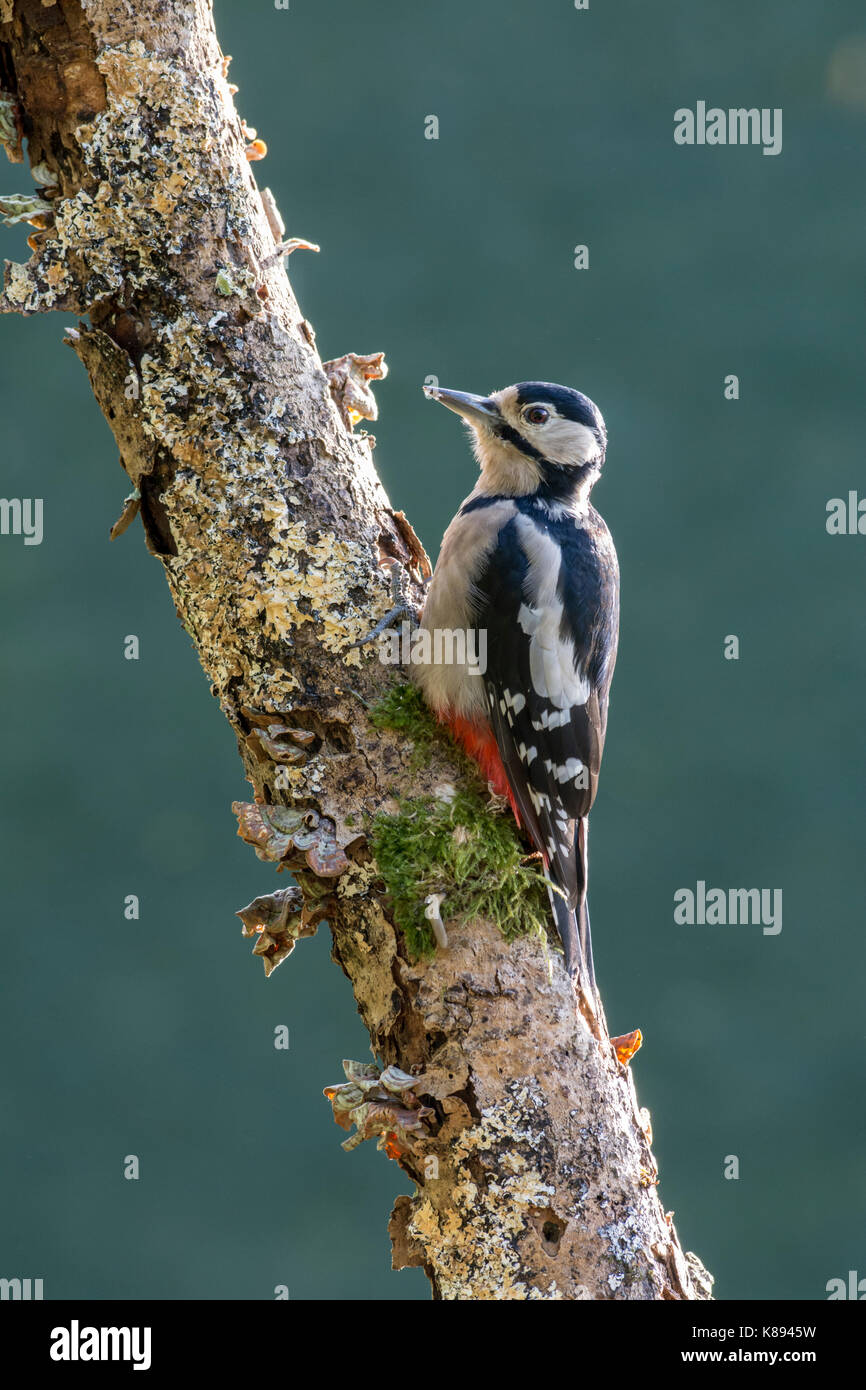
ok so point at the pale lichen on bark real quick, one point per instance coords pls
(534, 1173)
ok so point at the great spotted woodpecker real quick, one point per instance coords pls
(529, 561)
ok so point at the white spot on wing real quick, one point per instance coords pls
(569, 771)
(554, 720)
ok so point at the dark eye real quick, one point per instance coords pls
(536, 415)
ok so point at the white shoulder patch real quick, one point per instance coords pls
(552, 665)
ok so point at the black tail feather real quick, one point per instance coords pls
(570, 908)
(572, 925)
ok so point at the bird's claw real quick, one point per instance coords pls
(402, 607)
(404, 611)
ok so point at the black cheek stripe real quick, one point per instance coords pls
(503, 431)
(486, 501)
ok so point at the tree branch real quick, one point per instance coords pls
(519, 1126)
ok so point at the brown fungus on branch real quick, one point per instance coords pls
(381, 1104)
(278, 921)
(291, 838)
(11, 132)
(348, 379)
(295, 243)
(418, 559)
(626, 1045)
(25, 207)
(131, 508)
(283, 744)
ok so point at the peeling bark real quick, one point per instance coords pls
(534, 1173)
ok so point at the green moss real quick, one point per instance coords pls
(459, 848)
(462, 850)
(403, 710)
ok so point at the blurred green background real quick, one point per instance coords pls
(456, 257)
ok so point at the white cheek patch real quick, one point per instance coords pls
(566, 441)
(561, 440)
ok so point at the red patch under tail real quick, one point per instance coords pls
(479, 743)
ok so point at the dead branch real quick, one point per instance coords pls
(521, 1129)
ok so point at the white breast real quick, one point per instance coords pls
(449, 608)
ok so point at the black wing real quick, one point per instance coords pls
(548, 598)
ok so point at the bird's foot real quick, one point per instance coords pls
(497, 803)
(402, 610)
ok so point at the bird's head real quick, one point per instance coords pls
(534, 437)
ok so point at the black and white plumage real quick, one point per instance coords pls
(529, 562)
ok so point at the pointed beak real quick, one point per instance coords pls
(478, 410)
